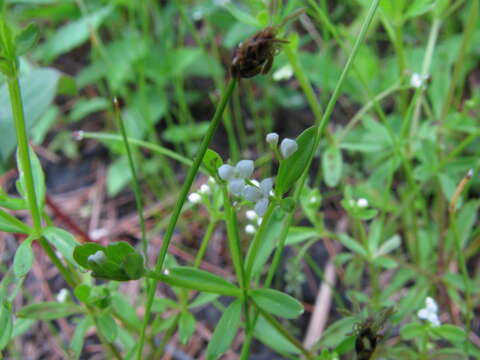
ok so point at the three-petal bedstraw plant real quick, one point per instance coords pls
(358, 202)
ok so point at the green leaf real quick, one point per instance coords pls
(22, 263)
(277, 303)
(192, 278)
(21, 326)
(82, 292)
(186, 326)
(452, 333)
(125, 311)
(49, 310)
(72, 34)
(388, 246)
(78, 337)
(11, 224)
(419, 7)
(202, 299)
(270, 336)
(353, 245)
(225, 331)
(107, 326)
(118, 176)
(6, 324)
(212, 161)
(82, 252)
(332, 164)
(39, 87)
(413, 330)
(186, 133)
(85, 107)
(292, 168)
(26, 39)
(62, 240)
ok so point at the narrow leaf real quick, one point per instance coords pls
(332, 164)
(10, 223)
(27, 39)
(186, 326)
(62, 240)
(277, 303)
(22, 263)
(225, 331)
(107, 326)
(6, 325)
(48, 310)
(292, 168)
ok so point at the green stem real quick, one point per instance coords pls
(206, 239)
(179, 205)
(135, 184)
(23, 150)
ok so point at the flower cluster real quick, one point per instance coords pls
(256, 220)
(287, 147)
(204, 190)
(430, 312)
(239, 184)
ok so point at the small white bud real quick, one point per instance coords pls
(251, 215)
(226, 172)
(78, 135)
(288, 147)
(261, 207)
(272, 138)
(259, 221)
(244, 168)
(194, 198)
(362, 203)
(470, 173)
(417, 80)
(97, 258)
(284, 73)
(250, 229)
(204, 189)
(236, 186)
(431, 305)
(252, 193)
(166, 272)
(62, 295)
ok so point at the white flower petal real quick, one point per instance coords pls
(288, 147)
(251, 215)
(252, 193)
(226, 172)
(244, 168)
(261, 206)
(266, 186)
(362, 203)
(431, 305)
(423, 314)
(236, 186)
(284, 73)
(250, 229)
(204, 189)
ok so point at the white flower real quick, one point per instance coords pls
(362, 203)
(288, 147)
(166, 272)
(250, 229)
(97, 258)
(251, 215)
(62, 295)
(236, 186)
(429, 312)
(252, 193)
(284, 73)
(261, 206)
(272, 138)
(194, 198)
(417, 80)
(204, 189)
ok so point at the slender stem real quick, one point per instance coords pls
(179, 205)
(23, 150)
(135, 184)
(206, 239)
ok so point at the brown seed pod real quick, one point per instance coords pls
(255, 55)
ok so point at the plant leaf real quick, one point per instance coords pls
(225, 330)
(277, 303)
(107, 326)
(62, 240)
(26, 39)
(292, 168)
(186, 326)
(332, 164)
(22, 263)
(6, 324)
(10, 223)
(49, 310)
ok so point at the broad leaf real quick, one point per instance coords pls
(332, 164)
(277, 303)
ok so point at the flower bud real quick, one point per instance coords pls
(194, 198)
(261, 207)
(226, 172)
(250, 229)
(244, 168)
(266, 186)
(251, 215)
(288, 147)
(98, 258)
(272, 139)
